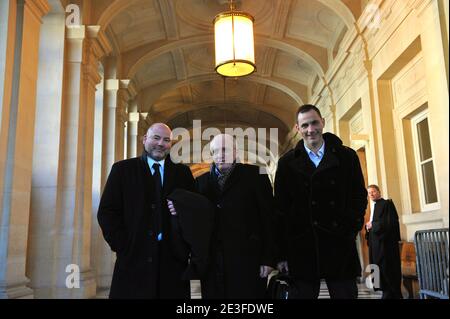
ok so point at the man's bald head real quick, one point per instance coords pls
(223, 149)
(160, 127)
(158, 141)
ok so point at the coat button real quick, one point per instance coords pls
(219, 206)
(150, 260)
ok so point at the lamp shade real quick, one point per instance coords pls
(234, 47)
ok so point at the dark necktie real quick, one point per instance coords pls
(158, 199)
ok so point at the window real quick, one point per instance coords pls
(424, 162)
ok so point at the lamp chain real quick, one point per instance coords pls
(232, 7)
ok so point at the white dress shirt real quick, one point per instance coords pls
(372, 208)
(316, 158)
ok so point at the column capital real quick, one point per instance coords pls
(101, 45)
(98, 42)
(126, 92)
(112, 84)
(129, 86)
(90, 66)
(76, 32)
(94, 50)
(133, 117)
(38, 8)
(143, 116)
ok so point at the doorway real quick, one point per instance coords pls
(364, 249)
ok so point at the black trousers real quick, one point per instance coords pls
(338, 289)
(213, 287)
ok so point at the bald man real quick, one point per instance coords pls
(138, 225)
(242, 247)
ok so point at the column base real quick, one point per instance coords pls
(87, 290)
(16, 290)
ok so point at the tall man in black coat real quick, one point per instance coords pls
(321, 198)
(136, 222)
(383, 232)
(242, 248)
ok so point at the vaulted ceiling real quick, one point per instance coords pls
(167, 48)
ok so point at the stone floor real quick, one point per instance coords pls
(363, 292)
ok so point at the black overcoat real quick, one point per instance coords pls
(321, 210)
(384, 240)
(126, 217)
(244, 225)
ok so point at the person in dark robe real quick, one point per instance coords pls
(383, 234)
(137, 224)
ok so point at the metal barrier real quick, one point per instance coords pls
(432, 262)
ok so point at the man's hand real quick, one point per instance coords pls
(171, 207)
(368, 225)
(283, 266)
(264, 271)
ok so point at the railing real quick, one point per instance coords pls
(432, 263)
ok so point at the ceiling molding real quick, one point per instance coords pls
(174, 84)
(341, 10)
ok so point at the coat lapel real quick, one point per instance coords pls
(149, 185)
(329, 160)
(169, 176)
(233, 178)
(378, 209)
(302, 163)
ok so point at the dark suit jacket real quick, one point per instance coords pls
(322, 210)
(126, 217)
(244, 229)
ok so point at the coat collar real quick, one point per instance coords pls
(302, 163)
(231, 180)
(169, 174)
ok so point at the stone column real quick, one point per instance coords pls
(74, 196)
(121, 119)
(126, 93)
(109, 124)
(133, 123)
(97, 238)
(16, 144)
(41, 237)
(115, 103)
(104, 257)
(4, 21)
(142, 129)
